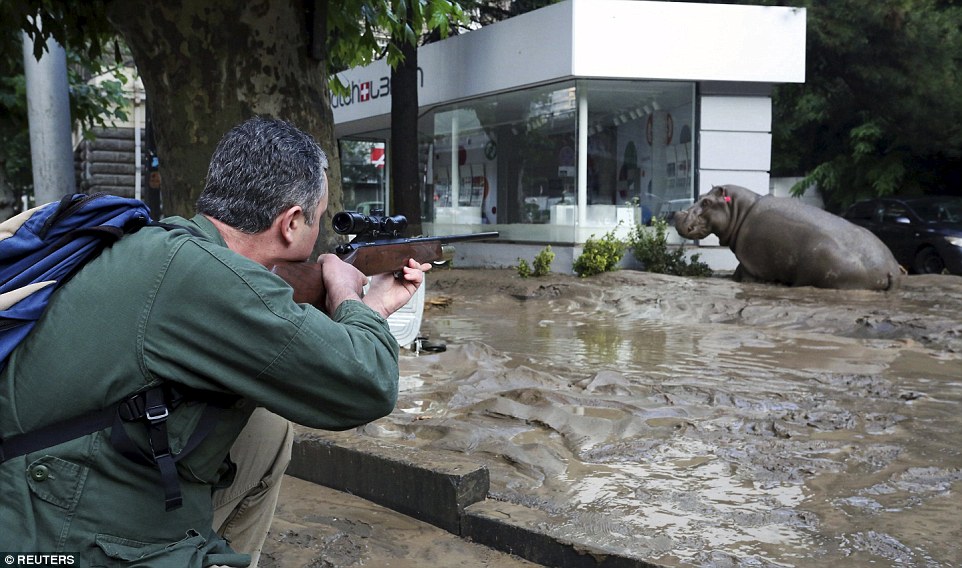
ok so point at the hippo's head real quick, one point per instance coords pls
(711, 213)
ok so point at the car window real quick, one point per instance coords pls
(951, 211)
(893, 212)
(944, 210)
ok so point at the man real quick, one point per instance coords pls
(199, 311)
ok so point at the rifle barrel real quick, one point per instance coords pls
(389, 255)
(415, 240)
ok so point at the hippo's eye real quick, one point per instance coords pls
(705, 202)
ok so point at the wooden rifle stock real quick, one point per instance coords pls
(371, 257)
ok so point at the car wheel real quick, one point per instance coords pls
(927, 261)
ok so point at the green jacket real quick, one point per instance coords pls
(170, 306)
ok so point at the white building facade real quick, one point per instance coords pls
(577, 119)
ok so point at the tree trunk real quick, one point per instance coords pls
(405, 167)
(207, 66)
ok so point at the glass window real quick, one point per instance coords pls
(363, 175)
(508, 159)
(895, 213)
(514, 159)
(640, 145)
(946, 209)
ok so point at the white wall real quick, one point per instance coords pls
(688, 41)
(624, 39)
(735, 142)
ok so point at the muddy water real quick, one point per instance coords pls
(703, 422)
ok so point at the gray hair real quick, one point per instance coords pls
(260, 168)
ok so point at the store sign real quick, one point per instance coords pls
(365, 91)
(377, 156)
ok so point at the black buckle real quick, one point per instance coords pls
(132, 409)
(150, 405)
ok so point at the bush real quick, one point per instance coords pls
(524, 270)
(599, 256)
(542, 262)
(650, 248)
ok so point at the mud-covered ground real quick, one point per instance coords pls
(700, 422)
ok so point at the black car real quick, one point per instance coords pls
(924, 233)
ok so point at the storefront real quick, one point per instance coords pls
(580, 118)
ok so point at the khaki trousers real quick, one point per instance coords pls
(243, 512)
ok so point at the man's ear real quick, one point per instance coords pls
(288, 223)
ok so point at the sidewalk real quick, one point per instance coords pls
(351, 501)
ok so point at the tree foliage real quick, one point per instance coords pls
(880, 111)
(362, 31)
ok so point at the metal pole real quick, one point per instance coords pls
(48, 112)
(138, 157)
(582, 132)
(455, 163)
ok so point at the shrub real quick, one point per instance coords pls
(542, 262)
(600, 255)
(650, 248)
(524, 270)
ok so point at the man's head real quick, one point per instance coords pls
(260, 169)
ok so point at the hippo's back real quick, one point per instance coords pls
(841, 254)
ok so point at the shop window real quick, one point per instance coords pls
(512, 159)
(640, 151)
(363, 166)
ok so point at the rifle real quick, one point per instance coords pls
(377, 248)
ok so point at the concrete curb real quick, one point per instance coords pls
(446, 491)
(436, 493)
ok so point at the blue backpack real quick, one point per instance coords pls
(43, 247)
(40, 250)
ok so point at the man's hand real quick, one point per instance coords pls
(342, 282)
(331, 281)
(390, 292)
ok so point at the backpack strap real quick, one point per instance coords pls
(56, 433)
(152, 408)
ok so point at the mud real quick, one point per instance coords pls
(702, 422)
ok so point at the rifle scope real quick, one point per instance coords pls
(354, 223)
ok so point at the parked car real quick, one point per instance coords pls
(924, 233)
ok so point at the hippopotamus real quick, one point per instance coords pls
(784, 241)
